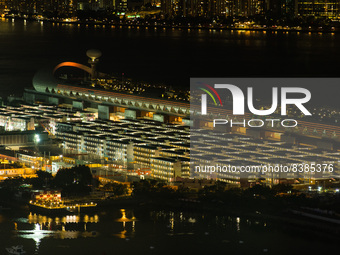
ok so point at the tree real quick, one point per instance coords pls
(259, 190)
(11, 186)
(116, 188)
(44, 179)
(282, 188)
(74, 181)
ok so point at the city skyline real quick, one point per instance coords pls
(182, 8)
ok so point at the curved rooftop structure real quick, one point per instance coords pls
(44, 79)
(73, 64)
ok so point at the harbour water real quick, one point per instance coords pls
(168, 56)
(148, 231)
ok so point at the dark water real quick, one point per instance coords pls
(153, 232)
(163, 56)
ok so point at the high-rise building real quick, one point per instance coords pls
(289, 8)
(319, 8)
(166, 6)
(247, 8)
(109, 4)
(185, 8)
(213, 8)
(84, 5)
(121, 5)
(41, 6)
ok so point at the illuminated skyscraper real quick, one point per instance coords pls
(40, 6)
(289, 8)
(121, 5)
(319, 8)
(213, 8)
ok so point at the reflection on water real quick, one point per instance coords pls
(124, 219)
(121, 224)
(142, 230)
(54, 227)
(38, 227)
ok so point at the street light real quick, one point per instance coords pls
(36, 138)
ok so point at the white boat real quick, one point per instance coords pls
(16, 250)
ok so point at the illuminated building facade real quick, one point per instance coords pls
(213, 8)
(164, 149)
(53, 196)
(60, 7)
(167, 169)
(68, 7)
(15, 172)
(319, 8)
(288, 8)
(150, 134)
(182, 8)
(193, 8)
(121, 5)
(245, 8)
